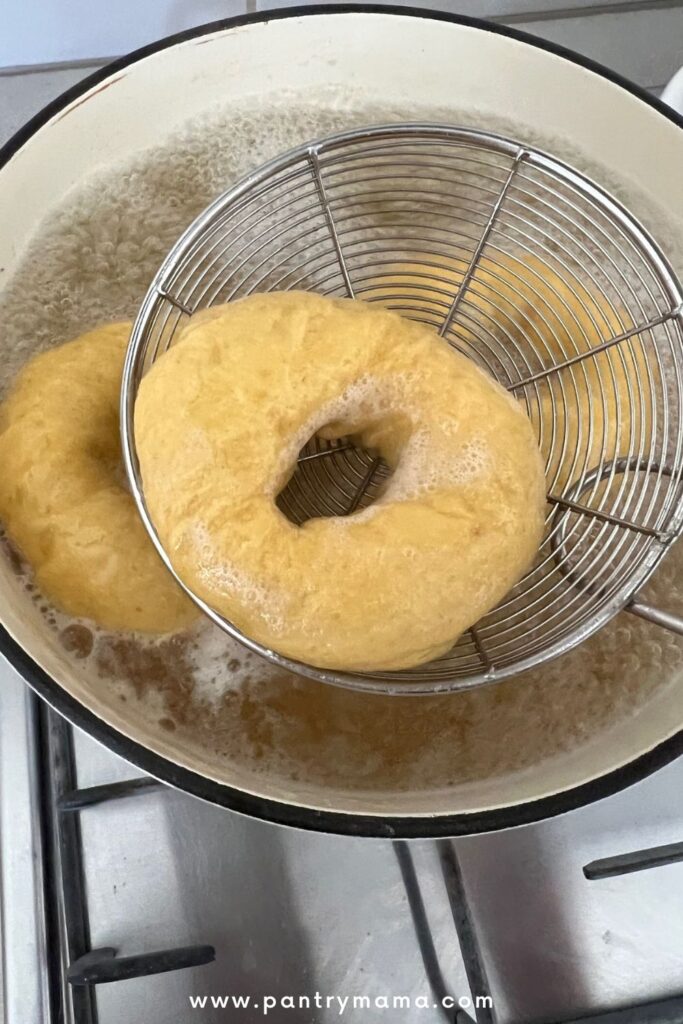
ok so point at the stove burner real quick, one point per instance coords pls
(86, 967)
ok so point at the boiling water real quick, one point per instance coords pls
(217, 706)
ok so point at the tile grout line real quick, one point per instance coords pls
(18, 70)
(596, 10)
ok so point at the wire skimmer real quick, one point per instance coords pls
(527, 267)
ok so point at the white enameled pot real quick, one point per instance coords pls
(399, 56)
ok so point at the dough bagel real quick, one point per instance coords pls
(63, 495)
(219, 422)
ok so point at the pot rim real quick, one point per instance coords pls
(240, 801)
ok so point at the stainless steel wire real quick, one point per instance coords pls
(527, 267)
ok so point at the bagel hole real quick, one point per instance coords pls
(333, 478)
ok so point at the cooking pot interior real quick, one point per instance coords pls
(93, 200)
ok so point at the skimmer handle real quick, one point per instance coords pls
(674, 623)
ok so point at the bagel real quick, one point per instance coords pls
(63, 496)
(220, 419)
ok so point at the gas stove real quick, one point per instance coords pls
(126, 901)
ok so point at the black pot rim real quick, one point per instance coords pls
(298, 816)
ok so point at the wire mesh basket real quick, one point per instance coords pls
(525, 266)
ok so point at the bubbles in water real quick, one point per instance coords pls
(91, 262)
(219, 574)
(77, 638)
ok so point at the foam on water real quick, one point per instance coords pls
(424, 468)
(229, 579)
(91, 262)
(219, 664)
(423, 463)
(216, 663)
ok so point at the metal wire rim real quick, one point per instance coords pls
(514, 257)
